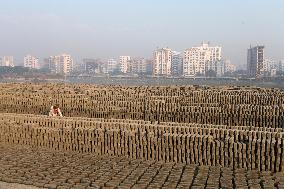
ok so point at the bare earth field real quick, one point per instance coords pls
(4, 185)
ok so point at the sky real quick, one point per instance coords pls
(110, 28)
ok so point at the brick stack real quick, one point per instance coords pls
(187, 104)
(46, 168)
(250, 148)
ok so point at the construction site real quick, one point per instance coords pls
(119, 137)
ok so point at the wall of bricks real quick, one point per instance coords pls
(191, 104)
(193, 143)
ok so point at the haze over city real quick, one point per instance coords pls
(105, 29)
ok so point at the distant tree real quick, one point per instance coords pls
(20, 71)
(44, 70)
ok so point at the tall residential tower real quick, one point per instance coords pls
(162, 61)
(124, 63)
(255, 61)
(199, 60)
(62, 64)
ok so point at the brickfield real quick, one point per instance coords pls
(229, 146)
(237, 106)
(53, 169)
(142, 137)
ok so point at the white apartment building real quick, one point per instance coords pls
(124, 63)
(7, 61)
(229, 67)
(140, 66)
(268, 65)
(198, 60)
(162, 61)
(176, 63)
(112, 65)
(31, 62)
(62, 64)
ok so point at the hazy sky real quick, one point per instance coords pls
(109, 28)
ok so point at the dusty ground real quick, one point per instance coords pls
(4, 185)
(50, 169)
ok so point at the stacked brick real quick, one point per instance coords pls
(250, 148)
(70, 170)
(206, 105)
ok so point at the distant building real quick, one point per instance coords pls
(281, 66)
(149, 67)
(78, 67)
(273, 72)
(31, 62)
(268, 66)
(45, 64)
(162, 61)
(112, 66)
(199, 60)
(92, 66)
(255, 61)
(176, 63)
(140, 66)
(220, 68)
(61, 64)
(104, 67)
(124, 63)
(7, 61)
(229, 67)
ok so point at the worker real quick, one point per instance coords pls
(55, 111)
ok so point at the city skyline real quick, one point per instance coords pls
(18, 61)
(110, 29)
(78, 62)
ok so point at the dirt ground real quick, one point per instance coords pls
(4, 185)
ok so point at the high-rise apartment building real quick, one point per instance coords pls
(62, 64)
(162, 61)
(255, 61)
(7, 61)
(124, 63)
(177, 61)
(112, 66)
(199, 60)
(31, 62)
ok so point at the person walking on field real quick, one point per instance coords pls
(55, 111)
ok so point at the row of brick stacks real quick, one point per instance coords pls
(206, 105)
(251, 148)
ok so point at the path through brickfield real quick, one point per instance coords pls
(62, 170)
